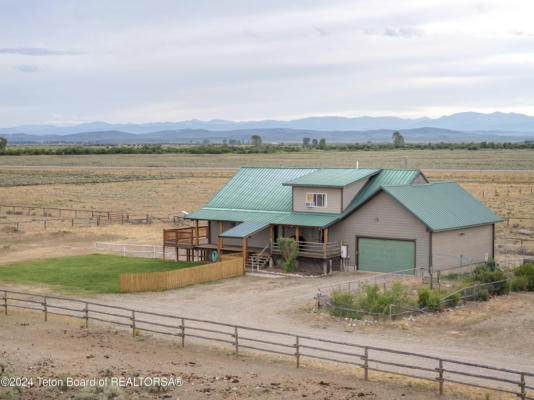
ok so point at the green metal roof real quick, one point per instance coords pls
(244, 229)
(248, 188)
(273, 217)
(333, 177)
(259, 195)
(385, 177)
(443, 205)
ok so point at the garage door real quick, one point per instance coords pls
(385, 255)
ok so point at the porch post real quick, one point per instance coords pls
(245, 240)
(271, 236)
(219, 242)
(325, 241)
(297, 235)
(196, 232)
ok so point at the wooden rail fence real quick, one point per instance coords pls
(230, 267)
(515, 382)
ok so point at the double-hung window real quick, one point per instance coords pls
(316, 200)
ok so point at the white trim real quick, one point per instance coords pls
(313, 204)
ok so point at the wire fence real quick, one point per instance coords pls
(293, 346)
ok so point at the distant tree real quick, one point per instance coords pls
(306, 142)
(255, 140)
(398, 139)
(3, 143)
(322, 143)
(314, 142)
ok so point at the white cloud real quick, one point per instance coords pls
(142, 61)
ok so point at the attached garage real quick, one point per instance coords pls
(384, 255)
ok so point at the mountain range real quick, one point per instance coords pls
(467, 126)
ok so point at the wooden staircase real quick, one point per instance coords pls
(257, 261)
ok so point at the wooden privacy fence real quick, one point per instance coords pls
(230, 267)
(298, 347)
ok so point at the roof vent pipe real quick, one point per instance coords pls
(404, 162)
(357, 164)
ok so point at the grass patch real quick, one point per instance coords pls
(95, 273)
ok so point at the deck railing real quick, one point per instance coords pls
(313, 249)
(185, 235)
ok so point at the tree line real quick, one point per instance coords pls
(256, 146)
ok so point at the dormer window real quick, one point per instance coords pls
(316, 200)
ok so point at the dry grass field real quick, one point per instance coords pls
(161, 193)
(444, 159)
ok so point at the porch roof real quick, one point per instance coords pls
(244, 229)
(271, 217)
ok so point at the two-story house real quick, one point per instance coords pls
(371, 218)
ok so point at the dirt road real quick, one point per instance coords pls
(285, 304)
(34, 349)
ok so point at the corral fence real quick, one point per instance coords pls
(231, 266)
(54, 216)
(133, 250)
(432, 368)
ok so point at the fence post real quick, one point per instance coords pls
(86, 315)
(390, 311)
(155, 255)
(459, 267)
(522, 385)
(123, 250)
(183, 332)
(236, 342)
(5, 302)
(45, 309)
(440, 378)
(366, 362)
(133, 323)
(297, 353)
(44, 222)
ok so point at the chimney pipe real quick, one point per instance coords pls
(404, 162)
(357, 164)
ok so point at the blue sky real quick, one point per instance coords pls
(66, 62)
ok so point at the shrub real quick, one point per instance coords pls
(429, 299)
(453, 299)
(482, 295)
(376, 302)
(371, 300)
(344, 300)
(288, 250)
(526, 273)
(489, 273)
(520, 284)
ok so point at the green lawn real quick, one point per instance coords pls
(96, 273)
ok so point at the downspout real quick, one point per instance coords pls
(493, 241)
(430, 266)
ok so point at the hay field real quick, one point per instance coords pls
(445, 159)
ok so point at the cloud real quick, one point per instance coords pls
(320, 31)
(35, 51)
(27, 68)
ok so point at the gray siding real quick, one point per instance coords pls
(419, 179)
(473, 244)
(382, 217)
(350, 191)
(333, 199)
(260, 239)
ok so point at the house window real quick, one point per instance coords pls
(316, 200)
